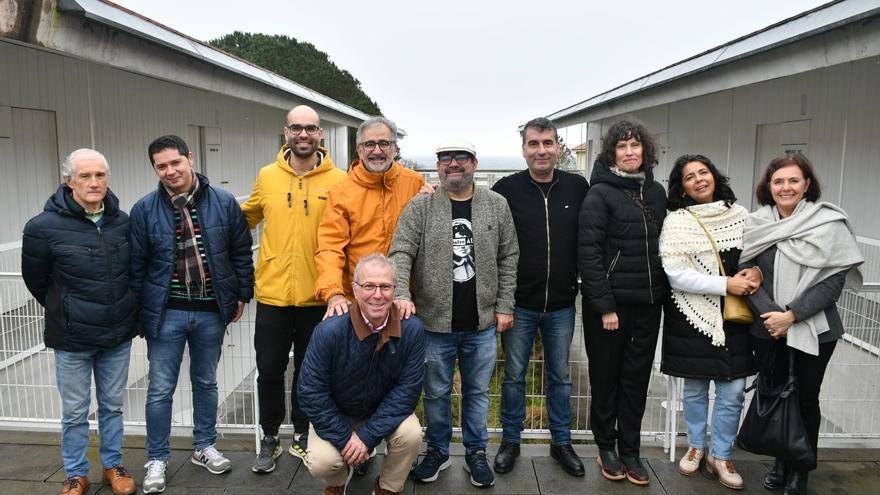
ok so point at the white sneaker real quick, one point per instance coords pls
(211, 459)
(154, 480)
(690, 463)
(725, 471)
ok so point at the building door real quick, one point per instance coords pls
(30, 166)
(777, 139)
(204, 143)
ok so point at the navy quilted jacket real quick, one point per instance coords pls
(79, 272)
(345, 380)
(227, 241)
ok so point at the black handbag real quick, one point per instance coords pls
(773, 425)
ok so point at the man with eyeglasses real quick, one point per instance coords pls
(463, 287)
(545, 203)
(360, 384)
(362, 211)
(289, 197)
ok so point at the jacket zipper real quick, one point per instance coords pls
(647, 251)
(547, 224)
(107, 264)
(612, 265)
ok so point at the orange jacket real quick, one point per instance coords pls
(360, 219)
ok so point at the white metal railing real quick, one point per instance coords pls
(850, 398)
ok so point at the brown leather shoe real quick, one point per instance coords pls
(120, 480)
(75, 485)
(378, 490)
(333, 490)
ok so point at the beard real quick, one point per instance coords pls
(373, 168)
(458, 184)
(313, 147)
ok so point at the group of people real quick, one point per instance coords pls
(381, 283)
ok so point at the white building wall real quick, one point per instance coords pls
(119, 112)
(832, 113)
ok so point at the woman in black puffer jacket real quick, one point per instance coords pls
(623, 291)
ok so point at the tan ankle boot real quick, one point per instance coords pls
(725, 471)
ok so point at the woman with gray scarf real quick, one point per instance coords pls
(806, 253)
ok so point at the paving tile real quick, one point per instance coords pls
(850, 478)
(304, 483)
(456, 480)
(30, 462)
(190, 475)
(35, 488)
(553, 480)
(703, 483)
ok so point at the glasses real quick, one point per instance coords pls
(371, 288)
(382, 144)
(310, 129)
(460, 158)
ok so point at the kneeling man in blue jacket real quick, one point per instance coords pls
(360, 383)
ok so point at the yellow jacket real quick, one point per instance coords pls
(291, 207)
(360, 219)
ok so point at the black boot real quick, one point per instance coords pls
(506, 457)
(775, 479)
(568, 459)
(796, 483)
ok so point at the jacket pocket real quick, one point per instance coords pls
(612, 265)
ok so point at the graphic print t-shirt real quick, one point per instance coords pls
(464, 281)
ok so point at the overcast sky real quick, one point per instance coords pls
(480, 68)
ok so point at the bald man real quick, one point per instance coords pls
(289, 197)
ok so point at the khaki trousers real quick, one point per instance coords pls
(324, 460)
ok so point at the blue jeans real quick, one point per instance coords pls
(203, 331)
(476, 351)
(557, 328)
(73, 373)
(725, 414)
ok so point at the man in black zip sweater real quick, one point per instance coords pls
(545, 203)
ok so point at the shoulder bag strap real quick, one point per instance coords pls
(711, 241)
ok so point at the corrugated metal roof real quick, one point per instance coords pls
(119, 17)
(809, 23)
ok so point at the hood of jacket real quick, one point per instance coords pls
(602, 174)
(325, 165)
(62, 203)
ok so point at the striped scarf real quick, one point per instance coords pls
(189, 260)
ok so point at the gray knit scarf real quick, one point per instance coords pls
(812, 244)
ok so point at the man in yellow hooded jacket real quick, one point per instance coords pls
(289, 197)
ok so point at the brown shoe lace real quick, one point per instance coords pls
(120, 472)
(692, 454)
(729, 467)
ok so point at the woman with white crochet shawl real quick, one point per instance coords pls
(807, 254)
(698, 344)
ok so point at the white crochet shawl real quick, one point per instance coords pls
(684, 246)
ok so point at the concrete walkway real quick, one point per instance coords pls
(30, 463)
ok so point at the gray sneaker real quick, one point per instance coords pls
(299, 446)
(211, 459)
(154, 480)
(270, 449)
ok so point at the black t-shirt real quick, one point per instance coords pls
(464, 281)
(545, 187)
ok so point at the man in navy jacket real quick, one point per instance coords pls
(192, 271)
(74, 260)
(360, 383)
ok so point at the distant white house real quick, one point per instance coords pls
(808, 83)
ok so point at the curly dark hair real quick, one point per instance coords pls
(678, 199)
(629, 129)
(762, 190)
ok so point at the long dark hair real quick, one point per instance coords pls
(678, 199)
(629, 129)
(762, 190)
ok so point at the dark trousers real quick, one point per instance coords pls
(809, 370)
(620, 368)
(275, 330)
